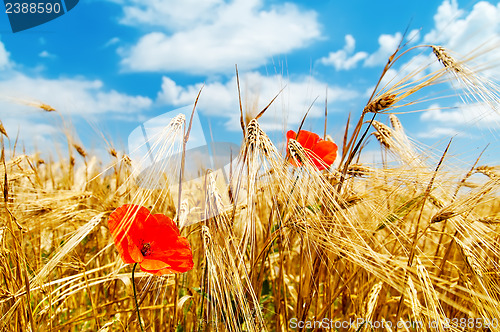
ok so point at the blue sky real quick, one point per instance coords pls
(109, 65)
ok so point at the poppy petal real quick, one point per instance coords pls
(124, 253)
(321, 153)
(325, 148)
(134, 251)
(177, 251)
(121, 222)
(307, 139)
(186, 266)
(330, 158)
(126, 217)
(153, 264)
(164, 221)
(154, 241)
(161, 272)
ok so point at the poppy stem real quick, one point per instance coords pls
(135, 298)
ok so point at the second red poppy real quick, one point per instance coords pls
(321, 153)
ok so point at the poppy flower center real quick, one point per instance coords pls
(146, 249)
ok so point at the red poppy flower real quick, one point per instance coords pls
(320, 152)
(152, 240)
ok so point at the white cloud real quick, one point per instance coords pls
(463, 115)
(460, 32)
(344, 59)
(376, 157)
(4, 57)
(35, 129)
(21, 97)
(387, 46)
(112, 41)
(445, 19)
(221, 99)
(71, 95)
(46, 54)
(465, 33)
(413, 70)
(438, 132)
(413, 36)
(171, 15)
(200, 42)
(350, 44)
(77, 96)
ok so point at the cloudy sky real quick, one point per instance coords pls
(109, 65)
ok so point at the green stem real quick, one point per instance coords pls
(135, 298)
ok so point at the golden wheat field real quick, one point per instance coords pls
(410, 245)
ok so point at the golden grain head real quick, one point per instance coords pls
(442, 216)
(257, 138)
(445, 58)
(253, 130)
(381, 103)
(358, 170)
(489, 171)
(382, 128)
(177, 122)
(350, 201)
(383, 134)
(113, 152)
(126, 159)
(395, 123)
(436, 201)
(489, 220)
(207, 237)
(80, 150)
(372, 301)
(46, 107)
(382, 139)
(2, 130)
(296, 151)
(470, 259)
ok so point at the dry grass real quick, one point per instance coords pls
(413, 242)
